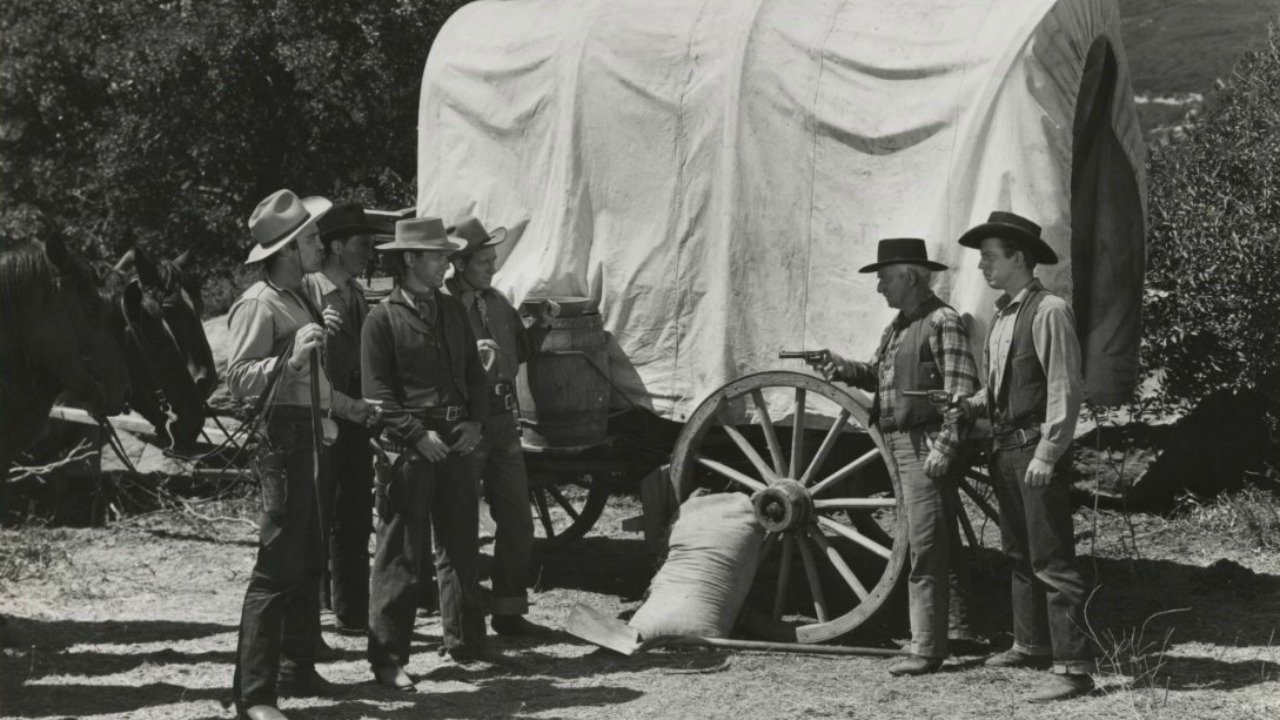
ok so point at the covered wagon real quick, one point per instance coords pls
(711, 173)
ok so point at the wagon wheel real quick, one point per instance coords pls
(834, 548)
(565, 507)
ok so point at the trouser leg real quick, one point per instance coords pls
(500, 464)
(352, 525)
(455, 518)
(927, 586)
(280, 615)
(959, 579)
(1051, 541)
(403, 508)
(1030, 622)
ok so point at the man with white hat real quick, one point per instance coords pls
(275, 331)
(498, 462)
(420, 363)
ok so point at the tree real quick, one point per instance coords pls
(164, 123)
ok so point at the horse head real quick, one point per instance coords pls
(156, 321)
(62, 337)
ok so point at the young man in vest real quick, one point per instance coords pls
(347, 239)
(498, 462)
(281, 615)
(1032, 397)
(925, 348)
(419, 361)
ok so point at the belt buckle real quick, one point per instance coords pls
(453, 413)
(509, 401)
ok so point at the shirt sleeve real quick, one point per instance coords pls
(865, 375)
(1053, 332)
(377, 377)
(528, 339)
(950, 345)
(251, 360)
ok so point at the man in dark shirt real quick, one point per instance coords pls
(347, 239)
(505, 342)
(420, 363)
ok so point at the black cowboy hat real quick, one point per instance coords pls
(902, 251)
(1012, 226)
(346, 220)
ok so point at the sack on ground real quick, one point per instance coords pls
(712, 560)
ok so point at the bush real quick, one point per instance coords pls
(164, 123)
(1212, 306)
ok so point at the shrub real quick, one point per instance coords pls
(1212, 301)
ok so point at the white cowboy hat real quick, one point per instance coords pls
(424, 233)
(278, 219)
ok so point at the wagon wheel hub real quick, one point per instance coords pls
(785, 505)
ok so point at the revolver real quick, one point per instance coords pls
(809, 356)
(940, 399)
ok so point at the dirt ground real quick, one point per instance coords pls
(139, 621)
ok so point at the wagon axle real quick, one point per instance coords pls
(783, 506)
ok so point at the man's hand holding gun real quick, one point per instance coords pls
(830, 365)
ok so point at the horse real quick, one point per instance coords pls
(55, 336)
(156, 312)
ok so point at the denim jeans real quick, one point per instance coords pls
(425, 495)
(938, 587)
(498, 464)
(1048, 589)
(280, 618)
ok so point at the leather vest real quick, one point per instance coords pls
(1024, 395)
(915, 368)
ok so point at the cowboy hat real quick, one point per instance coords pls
(1011, 226)
(471, 231)
(902, 251)
(424, 233)
(279, 219)
(346, 220)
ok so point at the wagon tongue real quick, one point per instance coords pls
(599, 629)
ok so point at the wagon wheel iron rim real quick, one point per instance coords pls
(565, 508)
(844, 570)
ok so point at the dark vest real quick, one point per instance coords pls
(914, 368)
(1023, 389)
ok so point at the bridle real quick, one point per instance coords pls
(132, 336)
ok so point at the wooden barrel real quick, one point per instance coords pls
(563, 390)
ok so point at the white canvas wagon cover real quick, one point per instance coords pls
(714, 172)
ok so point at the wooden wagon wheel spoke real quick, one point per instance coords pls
(855, 536)
(797, 435)
(770, 434)
(562, 501)
(845, 472)
(815, 582)
(855, 504)
(730, 473)
(841, 566)
(744, 445)
(805, 492)
(784, 575)
(828, 443)
(540, 500)
(978, 499)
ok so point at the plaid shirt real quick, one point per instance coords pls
(950, 345)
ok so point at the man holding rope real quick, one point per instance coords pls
(276, 332)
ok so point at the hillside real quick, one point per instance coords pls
(1178, 48)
